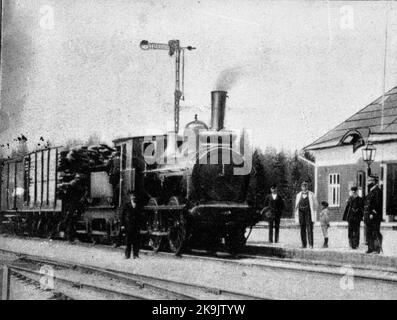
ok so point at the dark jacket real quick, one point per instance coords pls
(277, 206)
(354, 209)
(131, 217)
(373, 205)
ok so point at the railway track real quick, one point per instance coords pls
(69, 277)
(17, 276)
(69, 289)
(315, 267)
(248, 265)
(367, 272)
(244, 261)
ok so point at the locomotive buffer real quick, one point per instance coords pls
(173, 47)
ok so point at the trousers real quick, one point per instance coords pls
(374, 237)
(354, 233)
(306, 226)
(274, 224)
(132, 241)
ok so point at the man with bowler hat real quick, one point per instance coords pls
(130, 222)
(275, 204)
(353, 215)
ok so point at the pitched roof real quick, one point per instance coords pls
(369, 117)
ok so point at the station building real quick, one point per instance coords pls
(339, 160)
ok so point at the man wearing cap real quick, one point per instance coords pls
(305, 213)
(131, 222)
(275, 203)
(75, 198)
(353, 215)
(373, 215)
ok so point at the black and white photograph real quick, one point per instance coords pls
(217, 151)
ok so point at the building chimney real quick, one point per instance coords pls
(218, 105)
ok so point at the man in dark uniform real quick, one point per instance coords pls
(74, 201)
(373, 215)
(353, 215)
(275, 205)
(130, 222)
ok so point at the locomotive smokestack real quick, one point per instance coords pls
(218, 105)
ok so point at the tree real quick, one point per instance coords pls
(256, 190)
(301, 170)
(93, 139)
(20, 150)
(268, 165)
(296, 169)
(286, 170)
(71, 143)
(280, 170)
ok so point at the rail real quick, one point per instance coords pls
(165, 287)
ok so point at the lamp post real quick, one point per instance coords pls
(369, 155)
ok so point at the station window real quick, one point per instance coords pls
(334, 190)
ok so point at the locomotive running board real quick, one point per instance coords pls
(164, 207)
(221, 205)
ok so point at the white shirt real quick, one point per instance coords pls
(274, 196)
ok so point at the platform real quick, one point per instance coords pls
(338, 252)
(290, 224)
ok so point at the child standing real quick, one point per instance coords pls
(324, 222)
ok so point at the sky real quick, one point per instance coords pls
(73, 68)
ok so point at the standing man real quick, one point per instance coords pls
(353, 215)
(74, 201)
(130, 222)
(275, 205)
(373, 215)
(305, 213)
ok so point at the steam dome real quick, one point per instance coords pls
(195, 126)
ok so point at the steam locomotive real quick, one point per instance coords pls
(194, 187)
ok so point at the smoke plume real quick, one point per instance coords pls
(229, 77)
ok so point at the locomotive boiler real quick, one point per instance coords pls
(197, 194)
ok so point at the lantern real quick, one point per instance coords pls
(369, 152)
